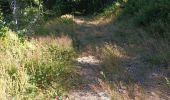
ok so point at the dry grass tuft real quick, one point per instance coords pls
(38, 68)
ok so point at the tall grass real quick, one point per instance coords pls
(117, 80)
(39, 68)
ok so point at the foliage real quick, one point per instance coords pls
(53, 65)
(33, 69)
(35, 12)
(83, 6)
(3, 29)
(43, 66)
(112, 9)
(167, 81)
(153, 15)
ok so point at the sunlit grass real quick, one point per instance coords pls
(117, 80)
(39, 67)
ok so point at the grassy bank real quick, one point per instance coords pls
(40, 68)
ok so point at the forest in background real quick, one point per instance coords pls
(154, 14)
(40, 40)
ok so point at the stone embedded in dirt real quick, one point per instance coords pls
(88, 60)
(104, 96)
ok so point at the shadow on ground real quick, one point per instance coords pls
(90, 38)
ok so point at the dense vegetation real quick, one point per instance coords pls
(35, 68)
(38, 60)
(154, 15)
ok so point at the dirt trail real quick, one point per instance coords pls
(90, 89)
(88, 66)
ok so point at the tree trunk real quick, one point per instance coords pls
(14, 6)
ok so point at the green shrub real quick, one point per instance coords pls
(3, 29)
(153, 15)
(53, 64)
(109, 10)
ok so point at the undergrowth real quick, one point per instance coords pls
(117, 80)
(152, 15)
(34, 69)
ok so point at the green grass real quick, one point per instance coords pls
(57, 26)
(35, 69)
(151, 15)
(42, 68)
